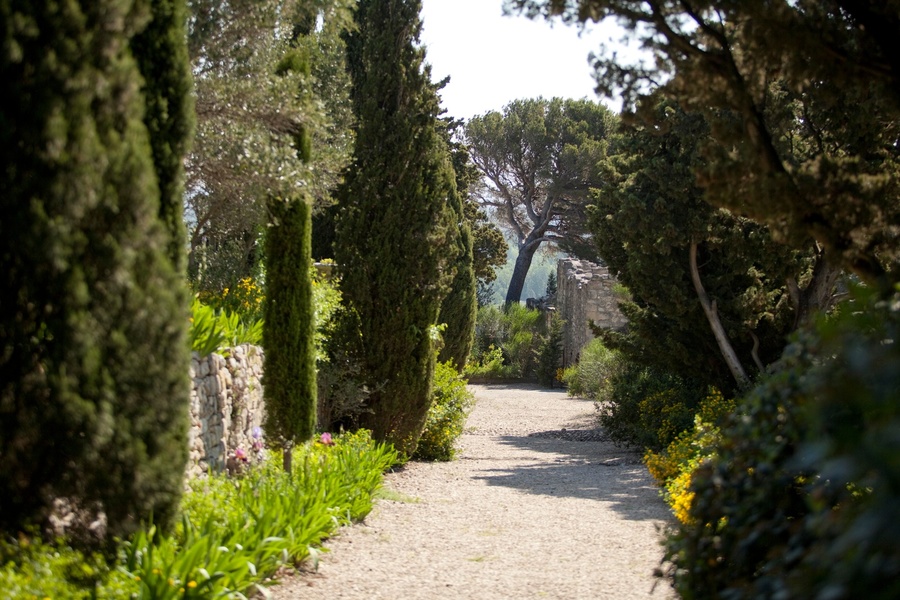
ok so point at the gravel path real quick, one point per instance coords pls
(538, 505)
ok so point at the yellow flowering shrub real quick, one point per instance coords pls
(674, 466)
(245, 298)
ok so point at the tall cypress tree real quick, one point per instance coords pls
(93, 389)
(395, 227)
(162, 55)
(289, 327)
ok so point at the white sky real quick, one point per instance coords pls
(492, 59)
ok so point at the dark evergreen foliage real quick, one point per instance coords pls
(93, 356)
(803, 99)
(395, 225)
(162, 55)
(289, 327)
(643, 224)
(459, 308)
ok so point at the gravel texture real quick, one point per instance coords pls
(539, 504)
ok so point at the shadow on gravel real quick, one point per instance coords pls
(514, 385)
(592, 470)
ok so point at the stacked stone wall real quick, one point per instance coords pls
(585, 293)
(226, 406)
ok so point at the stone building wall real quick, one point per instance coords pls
(584, 294)
(226, 406)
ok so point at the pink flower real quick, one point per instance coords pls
(325, 438)
(240, 455)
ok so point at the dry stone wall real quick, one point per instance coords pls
(585, 293)
(226, 406)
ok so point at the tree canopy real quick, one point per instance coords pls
(247, 114)
(781, 85)
(645, 223)
(538, 162)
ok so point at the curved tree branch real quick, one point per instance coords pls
(709, 308)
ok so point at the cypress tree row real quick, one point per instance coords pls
(395, 227)
(93, 382)
(289, 327)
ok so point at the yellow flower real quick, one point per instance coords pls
(192, 584)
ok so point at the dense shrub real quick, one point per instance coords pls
(216, 331)
(515, 331)
(800, 499)
(549, 353)
(673, 467)
(446, 418)
(94, 390)
(589, 378)
(647, 408)
(244, 298)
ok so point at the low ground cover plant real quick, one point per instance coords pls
(234, 531)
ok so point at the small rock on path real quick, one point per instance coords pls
(537, 505)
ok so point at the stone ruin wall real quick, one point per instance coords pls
(226, 405)
(585, 293)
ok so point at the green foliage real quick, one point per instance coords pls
(395, 225)
(248, 115)
(589, 378)
(551, 284)
(800, 499)
(490, 364)
(326, 297)
(644, 225)
(791, 145)
(459, 307)
(645, 407)
(244, 298)
(93, 355)
(514, 332)
(233, 532)
(447, 415)
(549, 352)
(32, 569)
(161, 53)
(289, 328)
(538, 161)
(673, 467)
(213, 331)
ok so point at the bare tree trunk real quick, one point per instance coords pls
(712, 315)
(818, 295)
(520, 272)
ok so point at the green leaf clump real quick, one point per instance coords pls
(447, 415)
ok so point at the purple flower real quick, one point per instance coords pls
(257, 433)
(240, 455)
(325, 438)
